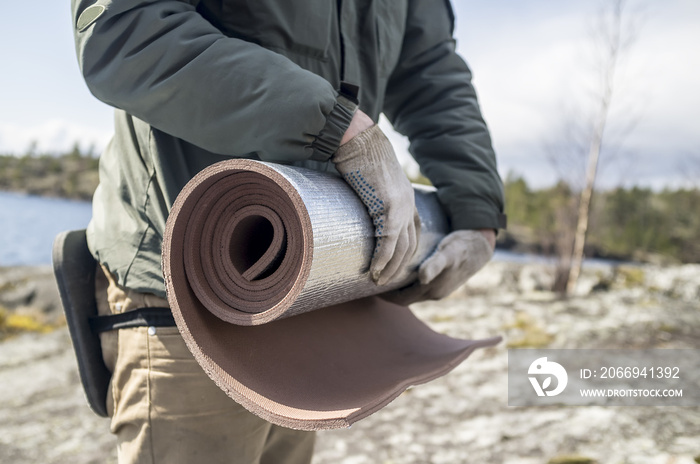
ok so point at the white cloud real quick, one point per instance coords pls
(531, 62)
(527, 59)
(51, 136)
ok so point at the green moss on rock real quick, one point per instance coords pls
(571, 459)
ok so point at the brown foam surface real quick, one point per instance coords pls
(237, 251)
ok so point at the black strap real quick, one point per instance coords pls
(142, 317)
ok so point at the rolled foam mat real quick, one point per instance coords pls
(248, 244)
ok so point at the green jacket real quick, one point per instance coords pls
(197, 81)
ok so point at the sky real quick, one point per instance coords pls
(533, 70)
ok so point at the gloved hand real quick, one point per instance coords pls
(368, 164)
(459, 256)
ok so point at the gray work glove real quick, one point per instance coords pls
(368, 164)
(459, 256)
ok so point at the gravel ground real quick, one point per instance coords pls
(460, 418)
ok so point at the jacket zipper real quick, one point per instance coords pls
(342, 42)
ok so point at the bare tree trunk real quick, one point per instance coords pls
(613, 44)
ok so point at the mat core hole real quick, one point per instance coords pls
(250, 240)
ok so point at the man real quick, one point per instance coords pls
(297, 82)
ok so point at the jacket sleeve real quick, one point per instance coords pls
(430, 99)
(161, 61)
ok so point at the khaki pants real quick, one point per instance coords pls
(164, 408)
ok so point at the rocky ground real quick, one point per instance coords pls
(460, 418)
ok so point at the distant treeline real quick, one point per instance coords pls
(69, 175)
(625, 223)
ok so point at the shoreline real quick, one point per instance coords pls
(515, 240)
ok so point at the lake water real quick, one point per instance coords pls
(28, 225)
